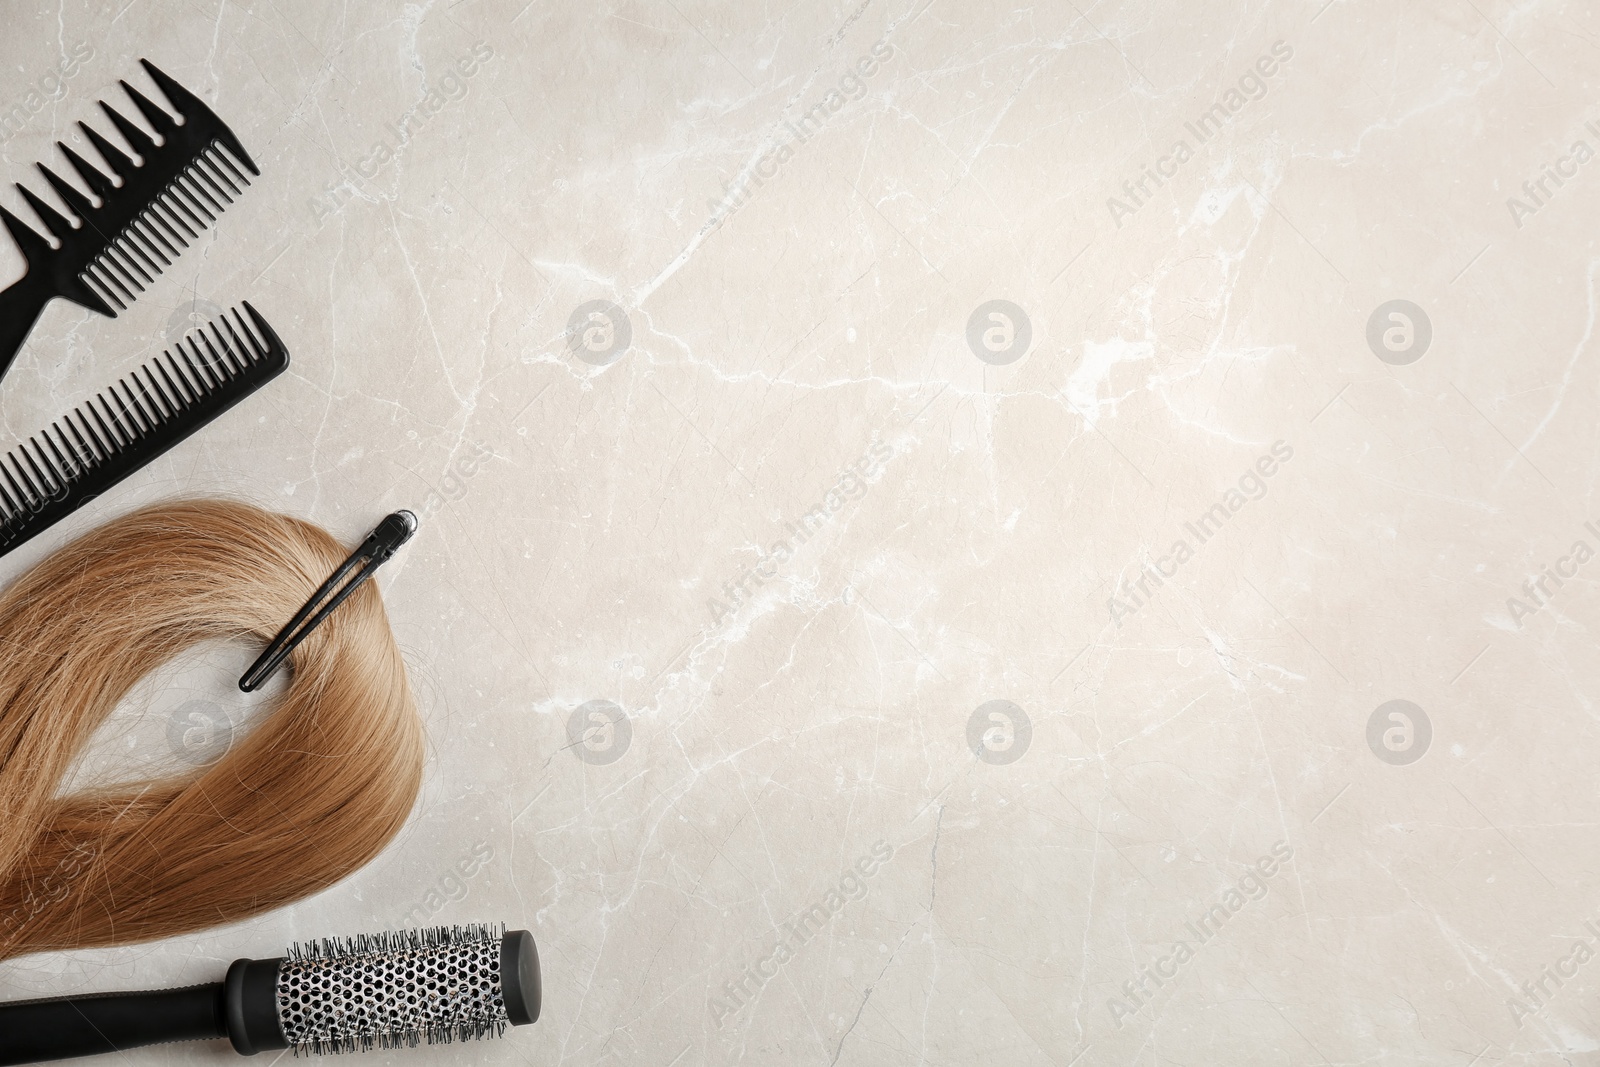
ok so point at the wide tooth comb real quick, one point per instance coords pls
(136, 137)
(139, 228)
(56, 222)
(192, 108)
(98, 183)
(81, 205)
(98, 444)
(121, 164)
(158, 119)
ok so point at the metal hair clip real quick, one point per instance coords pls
(382, 543)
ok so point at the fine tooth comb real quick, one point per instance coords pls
(164, 202)
(99, 443)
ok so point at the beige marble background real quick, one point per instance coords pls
(601, 521)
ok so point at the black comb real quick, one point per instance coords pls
(102, 442)
(164, 202)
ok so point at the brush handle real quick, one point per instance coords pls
(33, 1031)
(21, 305)
(243, 1008)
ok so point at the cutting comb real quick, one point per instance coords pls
(174, 193)
(100, 443)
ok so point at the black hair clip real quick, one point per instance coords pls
(382, 543)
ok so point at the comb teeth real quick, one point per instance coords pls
(128, 425)
(138, 228)
(149, 243)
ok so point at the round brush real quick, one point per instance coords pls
(448, 983)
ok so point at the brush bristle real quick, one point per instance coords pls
(393, 990)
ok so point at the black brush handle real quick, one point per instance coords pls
(34, 1031)
(243, 1008)
(20, 307)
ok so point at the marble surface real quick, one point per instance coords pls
(929, 507)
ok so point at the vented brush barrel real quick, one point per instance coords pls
(342, 995)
